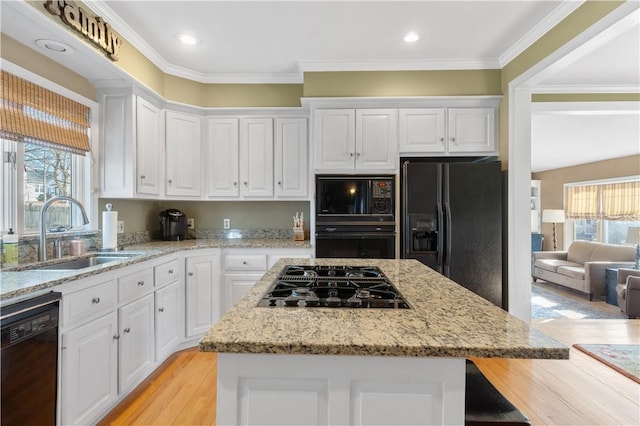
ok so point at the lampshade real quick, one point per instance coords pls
(633, 235)
(552, 216)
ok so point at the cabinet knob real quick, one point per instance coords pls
(246, 183)
(140, 283)
(170, 181)
(170, 271)
(142, 176)
(160, 309)
(244, 262)
(358, 154)
(95, 300)
(453, 139)
(235, 183)
(116, 336)
(351, 154)
(190, 274)
(279, 183)
(441, 139)
(127, 330)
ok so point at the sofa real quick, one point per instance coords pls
(582, 267)
(628, 291)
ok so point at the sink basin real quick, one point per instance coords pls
(85, 262)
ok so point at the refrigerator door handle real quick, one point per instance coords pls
(447, 255)
(440, 256)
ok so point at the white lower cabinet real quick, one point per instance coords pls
(168, 319)
(89, 370)
(202, 284)
(136, 344)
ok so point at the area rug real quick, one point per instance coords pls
(624, 359)
(546, 304)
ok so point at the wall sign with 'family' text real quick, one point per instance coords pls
(86, 23)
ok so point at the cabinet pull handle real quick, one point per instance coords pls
(127, 330)
(140, 283)
(116, 336)
(190, 274)
(95, 300)
(170, 271)
(160, 309)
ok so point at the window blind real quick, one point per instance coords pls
(583, 202)
(621, 201)
(30, 113)
(611, 201)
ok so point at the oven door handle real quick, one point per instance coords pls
(354, 235)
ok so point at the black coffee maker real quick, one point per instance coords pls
(173, 225)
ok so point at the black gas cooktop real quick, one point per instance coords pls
(333, 287)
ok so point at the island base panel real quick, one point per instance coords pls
(269, 389)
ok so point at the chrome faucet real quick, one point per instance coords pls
(43, 230)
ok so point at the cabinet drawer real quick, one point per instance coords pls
(245, 262)
(135, 285)
(89, 302)
(166, 273)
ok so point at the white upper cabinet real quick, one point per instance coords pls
(472, 130)
(183, 154)
(348, 139)
(132, 148)
(256, 157)
(291, 171)
(222, 148)
(422, 130)
(376, 139)
(334, 138)
(448, 131)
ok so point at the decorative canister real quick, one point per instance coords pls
(76, 247)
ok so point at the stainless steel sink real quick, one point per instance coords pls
(85, 262)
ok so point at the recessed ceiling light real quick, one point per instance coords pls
(411, 37)
(189, 39)
(54, 46)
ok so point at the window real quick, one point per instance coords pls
(603, 211)
(45, 139)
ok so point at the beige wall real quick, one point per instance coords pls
(142, 215)
(552, 185)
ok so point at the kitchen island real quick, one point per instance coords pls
(295, 365)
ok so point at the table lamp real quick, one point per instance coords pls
(633, 237)
(553, 216)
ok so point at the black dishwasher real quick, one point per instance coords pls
(29, 364)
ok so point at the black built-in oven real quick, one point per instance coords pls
(355, 216)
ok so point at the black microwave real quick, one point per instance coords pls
(355, 197)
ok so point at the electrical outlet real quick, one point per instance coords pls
(190, 223)
(120, 226)
(226, 223)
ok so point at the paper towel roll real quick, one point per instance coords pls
(109, 229)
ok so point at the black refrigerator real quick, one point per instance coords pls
(451, 221)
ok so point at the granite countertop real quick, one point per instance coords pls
(23, 281)
(447, 320)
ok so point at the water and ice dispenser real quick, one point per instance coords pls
(423, 232)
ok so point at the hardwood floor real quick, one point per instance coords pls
(578, 391)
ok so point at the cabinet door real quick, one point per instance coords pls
(148, 147)
(222, 147)
(136, 352)
(183, 145)
(291, 157)
(202, 293)
(169, 319)
(236, 286)
(334, 138)
(256, 157)
(472, 130)
(422, 130)
(376, 140)
(89, 381)
(117, 159)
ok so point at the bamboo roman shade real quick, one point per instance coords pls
(611, 201)
(30, 113)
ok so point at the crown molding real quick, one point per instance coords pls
(397, 65)
(585, 88)
(586, 108)
(554, 18)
